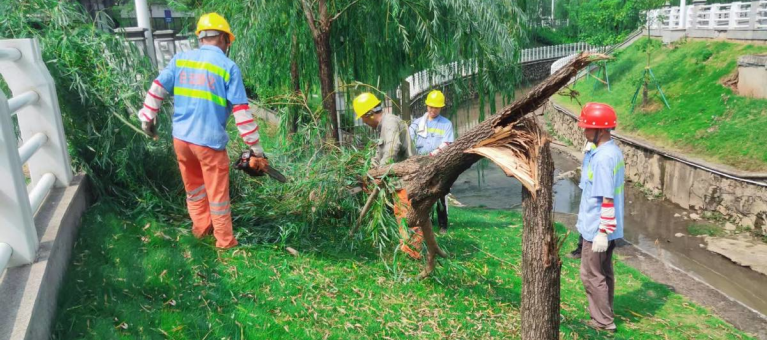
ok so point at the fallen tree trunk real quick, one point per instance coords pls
(429, 177)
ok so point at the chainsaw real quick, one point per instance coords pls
(244, 164)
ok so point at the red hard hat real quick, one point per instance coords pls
(597, 116)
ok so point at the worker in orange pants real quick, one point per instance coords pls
(205, 173)
(207, 88)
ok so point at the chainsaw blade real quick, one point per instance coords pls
(273, 173)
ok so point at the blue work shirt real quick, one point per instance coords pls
(205, 84)
(438, 130)
(602, 176)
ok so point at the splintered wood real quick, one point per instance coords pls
(515, 149)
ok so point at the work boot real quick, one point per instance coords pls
(595, 325)
(575, 254)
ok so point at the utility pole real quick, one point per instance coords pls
(144, 20)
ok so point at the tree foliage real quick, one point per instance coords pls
(599, 22)
(101, 79)
(374, 42)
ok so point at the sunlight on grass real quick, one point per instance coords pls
(140, 279)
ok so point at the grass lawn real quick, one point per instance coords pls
(139, 279)
(706, 119)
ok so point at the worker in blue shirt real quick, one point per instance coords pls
(207, 87)
(600, 215)
(432, 133)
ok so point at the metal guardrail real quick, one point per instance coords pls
(428, 79)
(563, 61)
(44, 149)
(602, 49)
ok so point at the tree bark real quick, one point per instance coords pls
(540, 257)
(644, 93)
(327, 86)
(320, 29)
(295, 82)
(405, 100)
(428, 178)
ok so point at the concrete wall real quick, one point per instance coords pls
(752, 76)
(690, 186)
(29, 294)
(533, 72)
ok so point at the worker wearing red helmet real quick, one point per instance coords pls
(600, 215)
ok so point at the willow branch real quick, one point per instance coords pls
(309, 16)
(343, 10)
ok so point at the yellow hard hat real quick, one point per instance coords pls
(364, 103)
(214, 21)
(435, 99)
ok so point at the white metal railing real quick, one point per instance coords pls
(44, 149)
(444, 74)
(736, 15)
(557, 65)
(563, 61)
(551, 52)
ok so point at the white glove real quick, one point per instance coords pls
(257, 150)
(588, 147)
(599, 244)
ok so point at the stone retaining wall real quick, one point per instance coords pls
(752, 76)
(679, 180)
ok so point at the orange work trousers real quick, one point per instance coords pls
(410, 244)
(205, 173)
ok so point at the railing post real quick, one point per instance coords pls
(17, 227)
(683, 14)
(30, 72)
(694, 15)
(752, 15)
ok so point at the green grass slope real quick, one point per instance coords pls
(706, 120)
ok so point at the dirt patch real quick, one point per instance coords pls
(651, 107)
(731, 81)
